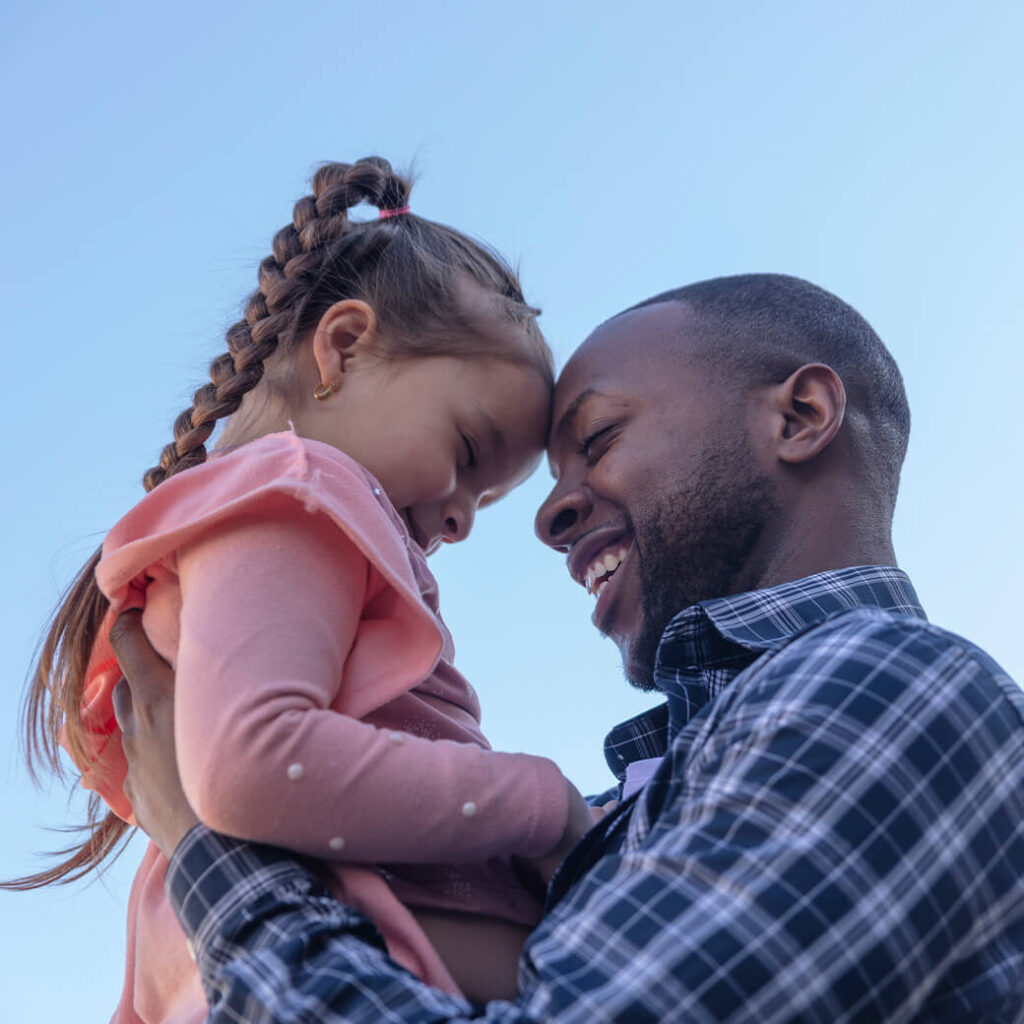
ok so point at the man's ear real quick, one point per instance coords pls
(347, 329)
(811, 404)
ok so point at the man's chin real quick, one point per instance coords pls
(639, 671)
(640, 651)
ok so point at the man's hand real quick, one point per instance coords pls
(144, 708)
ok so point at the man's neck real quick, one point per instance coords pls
(828, 537)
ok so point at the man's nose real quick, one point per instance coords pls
(562, 512)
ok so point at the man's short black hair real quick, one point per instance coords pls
(760, 328)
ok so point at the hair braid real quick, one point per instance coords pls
(272, 311)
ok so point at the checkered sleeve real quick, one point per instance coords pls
(273, 946)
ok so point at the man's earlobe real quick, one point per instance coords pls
(346, 329)
(812, 404)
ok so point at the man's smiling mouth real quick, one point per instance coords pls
(603, 568)
(596, 558)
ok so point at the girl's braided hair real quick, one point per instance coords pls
(412, 272)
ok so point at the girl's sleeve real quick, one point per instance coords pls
(271, 607)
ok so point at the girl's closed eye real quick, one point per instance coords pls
(469, 448)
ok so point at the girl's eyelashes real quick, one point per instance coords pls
(470, 449)
(595, 444)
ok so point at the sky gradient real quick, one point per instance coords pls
(151, 155)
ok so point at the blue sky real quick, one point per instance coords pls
(151, 153)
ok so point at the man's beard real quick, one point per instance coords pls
(694, 543)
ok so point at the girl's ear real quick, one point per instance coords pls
(810, 405)
(348, 328)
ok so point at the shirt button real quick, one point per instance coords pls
(295, 771)
(337, 843)
(469, 809)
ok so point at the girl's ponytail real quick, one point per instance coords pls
(57, 686)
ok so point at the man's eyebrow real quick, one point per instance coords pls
(565, 420)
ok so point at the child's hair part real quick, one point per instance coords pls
(413, 272)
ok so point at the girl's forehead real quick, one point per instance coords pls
(488, 317)
(513, 391)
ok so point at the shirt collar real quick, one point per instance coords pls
(708, 644)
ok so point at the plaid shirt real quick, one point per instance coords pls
(836, 833)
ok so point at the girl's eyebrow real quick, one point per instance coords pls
(496, 438)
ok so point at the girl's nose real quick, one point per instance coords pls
(563, 511)
(458, 520)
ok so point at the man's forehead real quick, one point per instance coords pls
(612, 354)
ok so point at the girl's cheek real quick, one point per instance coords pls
(423, 484)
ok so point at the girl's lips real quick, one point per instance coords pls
(413, 527)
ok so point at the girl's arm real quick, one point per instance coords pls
(270, 610)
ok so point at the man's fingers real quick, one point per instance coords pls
(142, 666)
(121, 696)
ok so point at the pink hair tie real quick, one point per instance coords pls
(384, 214)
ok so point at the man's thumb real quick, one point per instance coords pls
(138, 661)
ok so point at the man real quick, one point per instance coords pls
(832, 822)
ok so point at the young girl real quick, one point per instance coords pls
(386, 381)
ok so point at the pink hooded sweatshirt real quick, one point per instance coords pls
(316, 707)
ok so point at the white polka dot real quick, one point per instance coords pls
(469, 809)
(337, 843)
(295, 771)
(397, 737)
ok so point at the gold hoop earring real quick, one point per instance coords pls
(322, 391)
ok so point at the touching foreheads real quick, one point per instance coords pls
(760, 328)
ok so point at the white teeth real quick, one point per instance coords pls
(601, 569)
